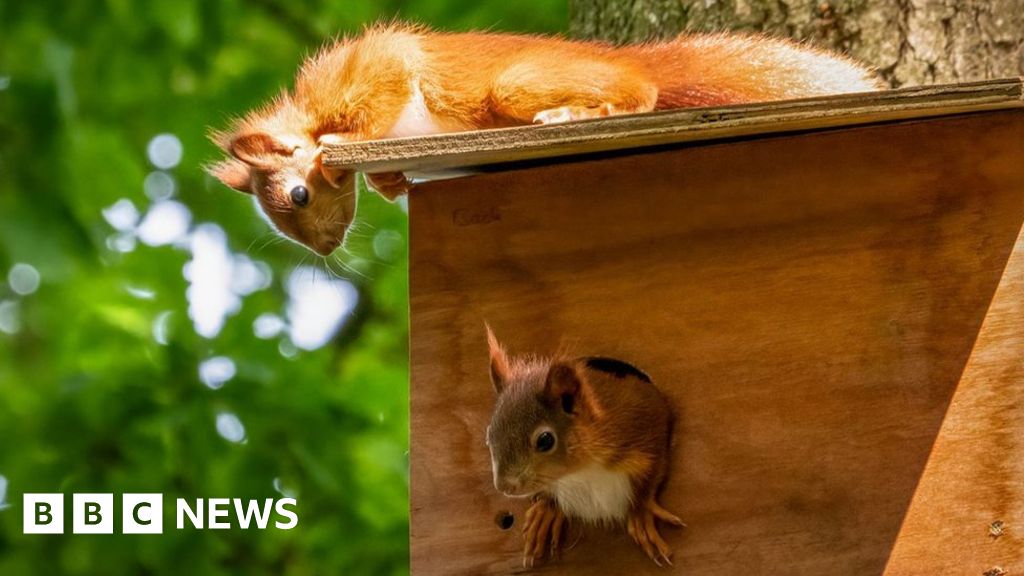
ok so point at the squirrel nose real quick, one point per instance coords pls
(507, 485)
(326, 247)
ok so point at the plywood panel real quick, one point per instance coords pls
(808, 302)
(459, 151)
(975, 473)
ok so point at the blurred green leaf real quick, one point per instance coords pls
(99, 382)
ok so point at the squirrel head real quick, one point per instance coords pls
(277, 161)
(533, 435)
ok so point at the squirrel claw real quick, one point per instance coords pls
(542, 531)
(390, 185)
(664, 515)
(641, 526)
(570, 113)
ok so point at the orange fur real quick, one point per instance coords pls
(411, 80)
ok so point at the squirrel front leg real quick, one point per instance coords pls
(390, 185)
(542, 530)
(534, 90)
(358, 91)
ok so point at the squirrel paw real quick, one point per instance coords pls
(390, 185)
(641, 526)
(542, 531)
(570, 113)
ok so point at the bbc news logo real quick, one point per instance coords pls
(143, 513)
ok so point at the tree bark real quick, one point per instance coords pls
(910, 42)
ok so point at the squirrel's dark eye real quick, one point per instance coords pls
(300, 196)
(545, 442)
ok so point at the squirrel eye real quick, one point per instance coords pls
(545, 442)
(300, 195)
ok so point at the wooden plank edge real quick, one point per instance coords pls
(438, 153)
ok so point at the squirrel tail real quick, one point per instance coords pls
(718, 69)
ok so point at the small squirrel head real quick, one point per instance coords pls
(533, 435)
(274, 159)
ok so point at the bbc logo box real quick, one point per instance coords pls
(92, 514)
(142, 514)
(43, 513)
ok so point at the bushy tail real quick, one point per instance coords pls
(717, 69)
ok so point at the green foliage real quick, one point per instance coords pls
(99, 366)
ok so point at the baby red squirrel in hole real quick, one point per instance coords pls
(403, 80)
(588, 439)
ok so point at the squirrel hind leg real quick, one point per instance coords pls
(532, 91)
(570, 113)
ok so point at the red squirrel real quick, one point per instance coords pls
(403, 80)
(588, 439)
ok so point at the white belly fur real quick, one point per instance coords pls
(415, 119)
(594, 494)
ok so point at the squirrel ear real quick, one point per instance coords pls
(233, 174)
(562, 385)
(499, 362)
(258, 148)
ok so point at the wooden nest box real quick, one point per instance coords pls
(830, 291)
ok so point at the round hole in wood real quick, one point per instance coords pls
(504, 519)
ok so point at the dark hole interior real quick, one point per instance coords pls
(504, 519)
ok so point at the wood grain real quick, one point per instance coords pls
(975, 474)
(809, 303)
(428, 154)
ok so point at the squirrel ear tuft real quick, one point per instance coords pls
(562, 385)
(499, 362)
(233, 173)
(258, 149)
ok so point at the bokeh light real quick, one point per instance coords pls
(140, 292)
(122, 243)
(159, 185)
(209, 273)
(282, 489)
(216, 371)
(166, 222)
(317, 304)
(164, 151)
(23, 279)
(267, 326)
(230, 427)
(248, 276)
(387, 245)
(161, 327)
(10, 317)
(122, 215)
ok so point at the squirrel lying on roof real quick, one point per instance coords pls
(402, 80)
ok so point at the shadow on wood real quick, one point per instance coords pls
(809, 302)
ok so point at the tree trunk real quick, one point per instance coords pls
(910, 42)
